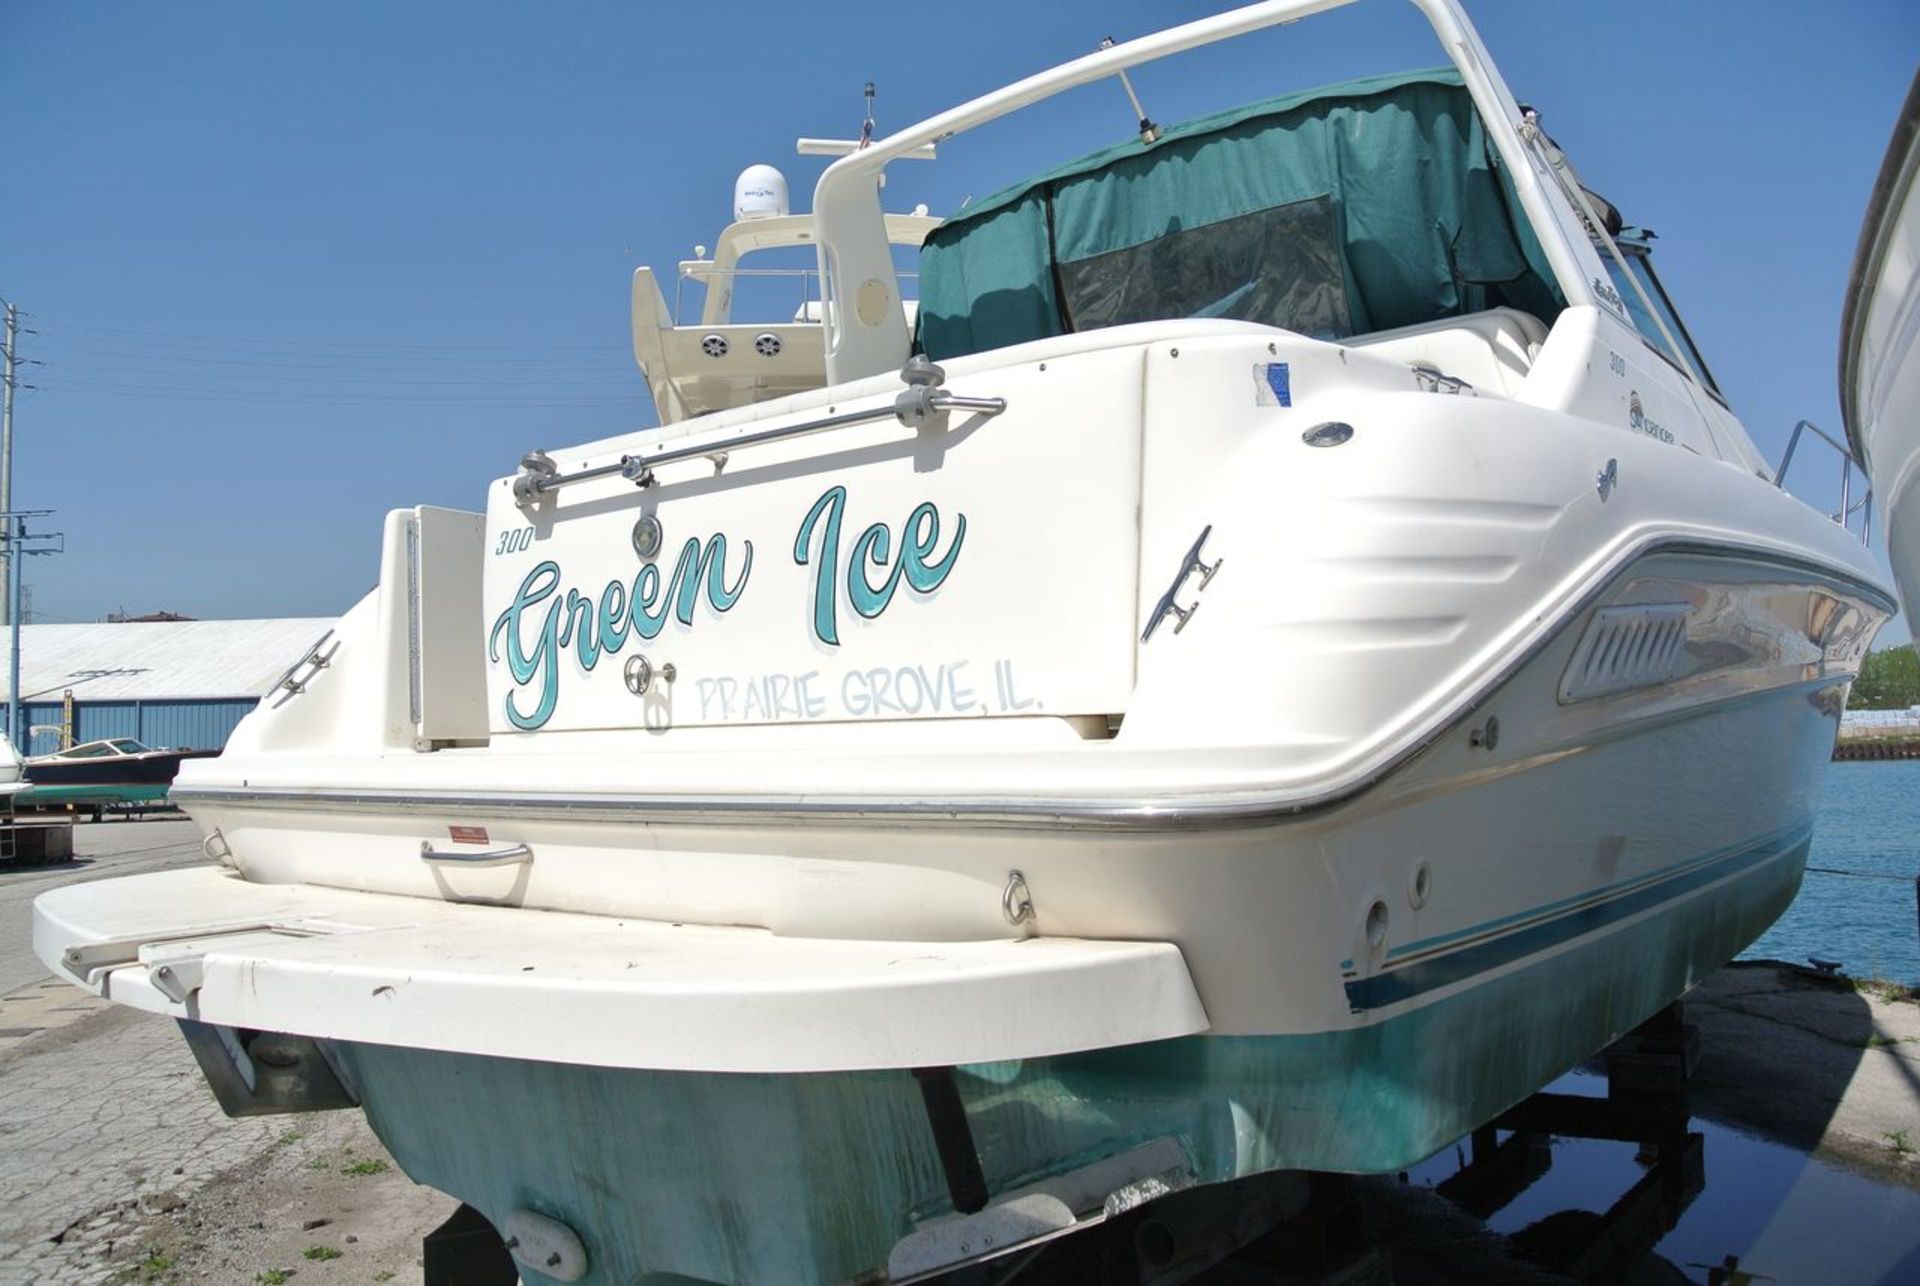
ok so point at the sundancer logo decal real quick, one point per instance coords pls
(1642, 422)
(541, 623)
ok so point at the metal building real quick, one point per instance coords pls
(166, 683)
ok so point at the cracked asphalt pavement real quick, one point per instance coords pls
(116, 1164)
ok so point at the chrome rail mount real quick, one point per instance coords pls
(921, 402)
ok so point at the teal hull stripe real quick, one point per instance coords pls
(1600, 894)
(1423, 976)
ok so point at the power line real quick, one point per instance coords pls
(255, 340)
(504, 362)
(317, 399)
(184, 367)
(612, 384)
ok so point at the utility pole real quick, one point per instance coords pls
(8, 367)
(20, 543)
(6, 453)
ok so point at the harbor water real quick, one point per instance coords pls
(1869, 828)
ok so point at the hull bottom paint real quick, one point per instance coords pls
(732, 1178)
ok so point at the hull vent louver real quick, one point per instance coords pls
(1626, 648)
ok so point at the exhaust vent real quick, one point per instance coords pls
(1627, 648)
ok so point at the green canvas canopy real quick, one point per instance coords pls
(1358, 207)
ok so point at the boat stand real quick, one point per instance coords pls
(1288, 1228)
(966, 1185)
(1647, 1073)
(466, 1251)
(34, 840)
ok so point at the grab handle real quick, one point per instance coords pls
(486, 857)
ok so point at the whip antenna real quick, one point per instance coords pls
(1149, 132)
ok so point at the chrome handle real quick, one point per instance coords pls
(486, 857)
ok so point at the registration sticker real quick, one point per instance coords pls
(467, 834)
(1272, 384)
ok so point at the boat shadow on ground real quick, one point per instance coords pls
(1808, 1060)
(41, 866)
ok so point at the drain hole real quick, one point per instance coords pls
(1377, 923)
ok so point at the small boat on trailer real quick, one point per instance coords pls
(1283, 654)
(100, 774)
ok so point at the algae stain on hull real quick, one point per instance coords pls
(812, 1178)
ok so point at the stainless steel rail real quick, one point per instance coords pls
(922, 400)
(1847, 465)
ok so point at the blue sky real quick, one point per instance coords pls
(294, 266)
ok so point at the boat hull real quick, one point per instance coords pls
(808, 1178)
(94, 783)
(1624, 864)
(1880, 346)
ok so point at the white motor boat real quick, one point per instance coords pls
(1880, 347)
(12, 769)
(1286, 652)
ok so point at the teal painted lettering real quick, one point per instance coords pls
(543, 662)
(579, 631)
(922, 538)
(719, 597)
(613, 617)
(593, 627)
(872, 547)
(824, 599)
(648, 623)
(916, 563)
(708, 563)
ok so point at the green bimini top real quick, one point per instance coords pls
(1359, 207)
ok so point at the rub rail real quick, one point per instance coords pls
(922, 400)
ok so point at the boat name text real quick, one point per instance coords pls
(542, 622)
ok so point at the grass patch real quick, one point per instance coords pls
(320, 1252)
(291, 1136)
(365, 1166)
(317, 1163)
(149, 1269)
(384, 1275)
(273, 1276)
(1900, 1143)
(1888, 992)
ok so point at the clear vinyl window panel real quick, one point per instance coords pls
(1280, 267)
(1642, 270)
